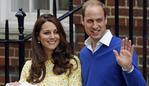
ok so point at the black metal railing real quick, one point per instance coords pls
(20, 16)
(6, 52)
(131, 23)
(145, 39)
(117, 18)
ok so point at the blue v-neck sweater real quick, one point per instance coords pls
(101, 69)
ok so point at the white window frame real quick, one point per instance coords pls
(30, 18)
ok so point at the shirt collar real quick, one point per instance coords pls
(106, 39)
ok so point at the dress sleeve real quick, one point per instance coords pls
(75, 78)
(25, 71)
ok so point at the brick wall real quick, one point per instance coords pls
(13, 61)
(124, 21)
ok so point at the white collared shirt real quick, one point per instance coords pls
(106, 39)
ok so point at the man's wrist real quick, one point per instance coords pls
(128, 70)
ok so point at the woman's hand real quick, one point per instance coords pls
(124, 58)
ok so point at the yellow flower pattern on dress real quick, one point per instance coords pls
(55, 80)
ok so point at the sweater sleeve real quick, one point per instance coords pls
(25, 71)
(75, 78)
(135, 78)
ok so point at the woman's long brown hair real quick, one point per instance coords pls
(61, 56)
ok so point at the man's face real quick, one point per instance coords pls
(94, 22)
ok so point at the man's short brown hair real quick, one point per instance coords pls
(92, 3)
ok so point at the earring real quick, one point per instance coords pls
(38, 42)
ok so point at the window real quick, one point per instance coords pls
(41, 4)
(16, 4)
(33, 5)
(63, 4)
(30, 8)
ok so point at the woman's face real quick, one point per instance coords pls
(49, 36)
